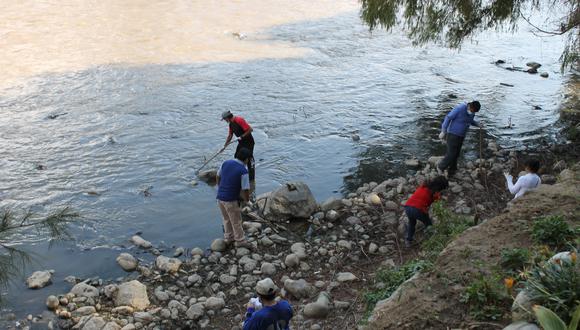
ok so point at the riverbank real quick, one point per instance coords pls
(325, 265)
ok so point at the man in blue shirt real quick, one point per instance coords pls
(274, 315)
(454, 128)
(233, 180)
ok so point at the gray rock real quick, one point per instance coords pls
(84, 290)
(522, 307)
(544, 75)
(111, 326)
(218, 245)
(92, 323)
(39, 279)
(331, 203)
(318, 309)
(521, 325)
(227, 279)
(412, 163)
(208, 176)
(345, 277)
(178, 252)
(140, 242)
(434, 160)
(127, 262)
(390, 205)
(84, 311)
(110, 290)
(332, 215)
(268, 269)
(548, 179)
(533, 64)
(214, 303)
(143, 317)
(344, 244)
(133, 294)
(195, 278)
(52, 302)
(373, 248)
(266, 241)
(197, 252)
(292, 200)
(353, 221)
(166, 264)
(299, 249)
(292, 260)
(299, 288)
(195, 311)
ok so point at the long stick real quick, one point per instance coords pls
(214, 156)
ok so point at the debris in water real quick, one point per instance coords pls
(147, 191)
(40, 167)
(56, 115)
(508, 85)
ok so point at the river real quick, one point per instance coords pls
(112, 98)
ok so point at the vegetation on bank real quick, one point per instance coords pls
(553, 285)
(446, 227)
(12, 258)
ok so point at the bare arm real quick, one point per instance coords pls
(228, 139)
(246, 195)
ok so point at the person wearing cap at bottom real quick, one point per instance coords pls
(233, 181)
(273, 315)
(243, 132)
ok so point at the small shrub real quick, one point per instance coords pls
(392, 278)
(556, 287)
(552, 230)
(486, 298)
(514, 259)
(447, 226)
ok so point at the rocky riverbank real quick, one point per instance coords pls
(323, 263)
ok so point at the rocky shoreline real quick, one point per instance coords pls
(322, 263)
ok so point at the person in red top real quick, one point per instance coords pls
(417, 207)
(243, 132)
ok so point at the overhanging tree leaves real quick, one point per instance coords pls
(13, 259)
(451, 22)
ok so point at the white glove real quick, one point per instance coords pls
(442, 135)
(508, 176)
(240, 139)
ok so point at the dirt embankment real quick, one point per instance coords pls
(433, 300)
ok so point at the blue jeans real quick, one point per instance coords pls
(415, 214)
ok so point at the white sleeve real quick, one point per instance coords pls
(246, 181)
(514, 189)
(219, 172)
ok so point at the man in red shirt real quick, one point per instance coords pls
(417, 207)
(243, 132)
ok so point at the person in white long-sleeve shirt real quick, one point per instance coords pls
(525, 182)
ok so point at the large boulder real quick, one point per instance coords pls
(133, 294)
(292, 200)
(39, 279)
(331, 203)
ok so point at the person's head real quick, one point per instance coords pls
(474, 106)
(266, 290)
(437, 184)
(227, 116)
(244, 155)
(533, 165)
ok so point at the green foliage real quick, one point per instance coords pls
(12, 259)
(514, 259)
(392, 278)
(447, 226)
(552, 230)
(550, 321)
(451, 22)
(555, 286)
(486, 298)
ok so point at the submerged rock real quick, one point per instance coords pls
(140, 242)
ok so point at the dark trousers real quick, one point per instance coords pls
(252, 162)
(415, 214)
(454, 144)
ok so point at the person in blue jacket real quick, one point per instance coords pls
(454, 128)
(273, 315)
